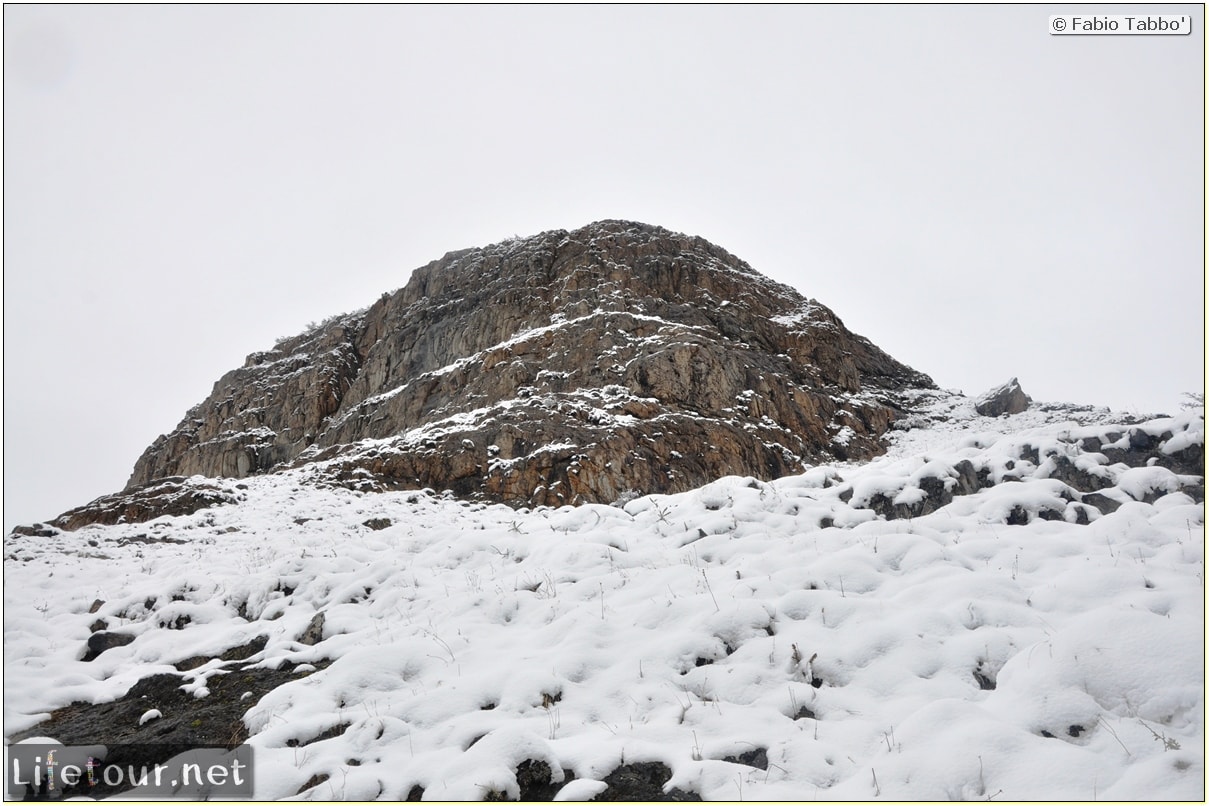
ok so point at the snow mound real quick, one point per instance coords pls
(1006, 610)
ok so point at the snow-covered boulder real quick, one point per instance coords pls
(1006, 399)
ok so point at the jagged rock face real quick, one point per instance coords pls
(1006, 399)
(562, 368)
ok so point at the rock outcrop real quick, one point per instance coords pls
(562, 368)
(1006, 399)
(173, 495)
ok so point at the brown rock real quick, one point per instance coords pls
(166, 496)
(561, 368)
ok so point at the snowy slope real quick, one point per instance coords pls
(993, 648)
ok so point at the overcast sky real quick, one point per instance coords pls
(184, 185)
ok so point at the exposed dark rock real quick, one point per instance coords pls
(642, 781)
(160, 687)
(1082, 484)
(535, 779)
(245, 651)
(377, 524)
(968, 480)
(1102, 502)
(103, 641)
(757, 758)
(936, 495)
(985, 680)
(1091, 444)
(1082, 515)
(1064, 470)
(322, 736)
(167, 496)
(563, 368)
(242, 652)
(187, 722)
(1189, 461)
(1142, 449)
(1006, 399)
(312, 782)
(148, 540)
(35, 530)
(1018, 516)
(1140, 440)
(189, 664)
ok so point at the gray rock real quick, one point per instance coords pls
(103, 641)
(1102, 502)
(313, 633)
(1006, 399)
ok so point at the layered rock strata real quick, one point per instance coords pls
(571, 366)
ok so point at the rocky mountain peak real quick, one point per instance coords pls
(566, 367)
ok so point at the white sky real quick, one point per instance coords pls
(183, 185)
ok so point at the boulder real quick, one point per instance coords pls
(101, 641)
(1006, 399)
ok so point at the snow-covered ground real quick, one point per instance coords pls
(996, 648)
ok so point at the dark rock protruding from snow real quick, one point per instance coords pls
(567, 367)
(166, 496)
(1006, 399)
(101, 641)
(1091, 474)
(642, 781)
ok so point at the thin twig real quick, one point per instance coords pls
(710, 588)
(1114, 735)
